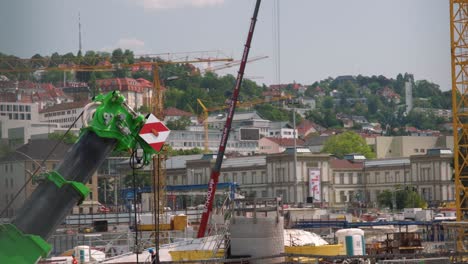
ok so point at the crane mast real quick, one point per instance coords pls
(459, 59)
(227, 127)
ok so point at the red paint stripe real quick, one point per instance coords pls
(160, 127)
(157, 146)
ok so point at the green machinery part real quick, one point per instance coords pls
(32, 247)
(112, 118)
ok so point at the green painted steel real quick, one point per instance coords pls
(114, 119)
(349, 245)
(59, 181)
(19, 248)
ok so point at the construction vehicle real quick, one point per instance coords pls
(214, 177)
(109, 123)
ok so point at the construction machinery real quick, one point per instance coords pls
(109, 123)
(207, 110)
(459, 62)
(214, 177)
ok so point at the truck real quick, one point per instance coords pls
(108, 124)
(424, 215)
(410, 213)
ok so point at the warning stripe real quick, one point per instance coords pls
(159, 126)
(150, 138)
(157, 146)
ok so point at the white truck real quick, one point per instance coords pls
(410, 213)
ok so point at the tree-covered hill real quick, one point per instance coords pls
(378, 98)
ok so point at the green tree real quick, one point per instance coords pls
(327, 102)
(346, 143)
(179, 124)
(402, 198)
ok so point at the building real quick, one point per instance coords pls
(405, 146)
(271, 145)
(282, 130)
(320, 178)
(347, 183)
(17, 168)
(19, 122)
(195, 138)
(137, 92)
(173, 114)
(243, 119)
(64, 114)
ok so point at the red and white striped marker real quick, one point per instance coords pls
(154, 132)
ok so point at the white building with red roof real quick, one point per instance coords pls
(137, 92)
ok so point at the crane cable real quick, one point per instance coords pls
(41, 165)
(135, 163)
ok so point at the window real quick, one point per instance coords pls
(21, 108)
(8, 108)
(15, 108)
(11, 182)
(341, 178)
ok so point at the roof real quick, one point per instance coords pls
(244, 161)
(172, 111)
(316, 140)
(305, 126)
(64, 106)
(286, 142)
(38, 149)
(237, 116)
(345, 164)
(179, 162)
(387, 162)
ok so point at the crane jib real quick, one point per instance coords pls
(227, 127)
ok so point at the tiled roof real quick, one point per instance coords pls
(304, 126)
(64, 106)
(38, 149)
(345, 164)
(286, 142)
(172, 111)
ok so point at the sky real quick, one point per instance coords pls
(317, 39)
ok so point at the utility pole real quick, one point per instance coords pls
(296, 195)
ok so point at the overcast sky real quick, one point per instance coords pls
(318, 38)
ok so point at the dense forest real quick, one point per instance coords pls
(185, 84)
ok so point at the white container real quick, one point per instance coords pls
(353, 241)
(82, 254)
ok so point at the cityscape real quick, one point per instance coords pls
(117, 156)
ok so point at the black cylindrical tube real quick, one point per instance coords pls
(48, 205)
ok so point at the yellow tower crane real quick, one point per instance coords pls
(459, 59)
(206, 111)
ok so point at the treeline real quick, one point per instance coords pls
(185, 84)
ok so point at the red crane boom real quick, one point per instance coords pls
(227, 127)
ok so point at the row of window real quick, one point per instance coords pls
(62, 120)
(17, 116)
(201, 144)
(61, 113)
(15, 108)
(240, 178)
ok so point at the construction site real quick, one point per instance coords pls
(206, 216)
